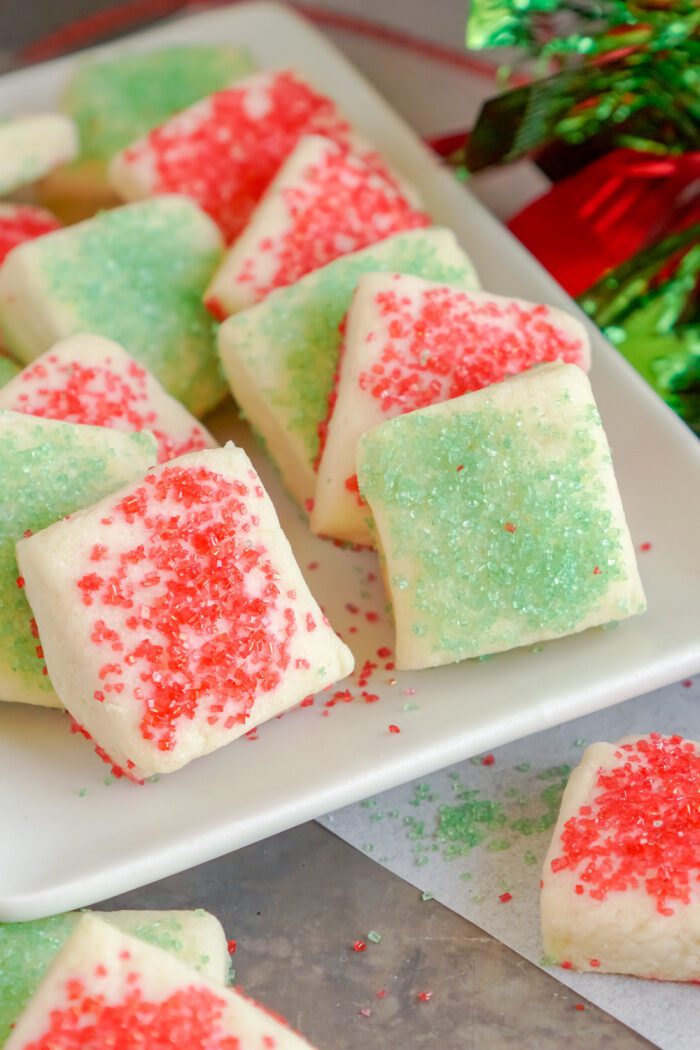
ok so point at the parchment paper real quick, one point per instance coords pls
(476, 832)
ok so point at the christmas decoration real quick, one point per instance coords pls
(613, 105)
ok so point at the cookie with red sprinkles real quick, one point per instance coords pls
(107, 989)
(325, 202)
(27, 949)
(23, 222)
(173, 615)
(88, 379)
(224, 151)
(621, 880)
(410, 343)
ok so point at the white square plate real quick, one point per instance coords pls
(61, 849)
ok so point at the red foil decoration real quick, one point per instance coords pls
(605, 213)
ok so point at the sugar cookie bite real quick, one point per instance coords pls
(27, 949)
(621, 880)
(190, 622)
(498, 519)
(135, 275)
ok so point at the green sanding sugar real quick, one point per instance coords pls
(300, 324)
(47, 470)
(467, 825)
(118, 100)
(136, 275)
(8, 369)
(494, 522)
(28, 948)
(555, 772)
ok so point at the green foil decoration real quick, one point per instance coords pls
(649, 309)
(568, 28)
(620, 74)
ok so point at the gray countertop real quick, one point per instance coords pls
(297, 903)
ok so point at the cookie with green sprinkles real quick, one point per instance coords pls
(119, 99)
(28, 948)
(281, 356)
(48, 469)
(135, 275)
(498, 519)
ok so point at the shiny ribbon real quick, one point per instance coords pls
(605, 213)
